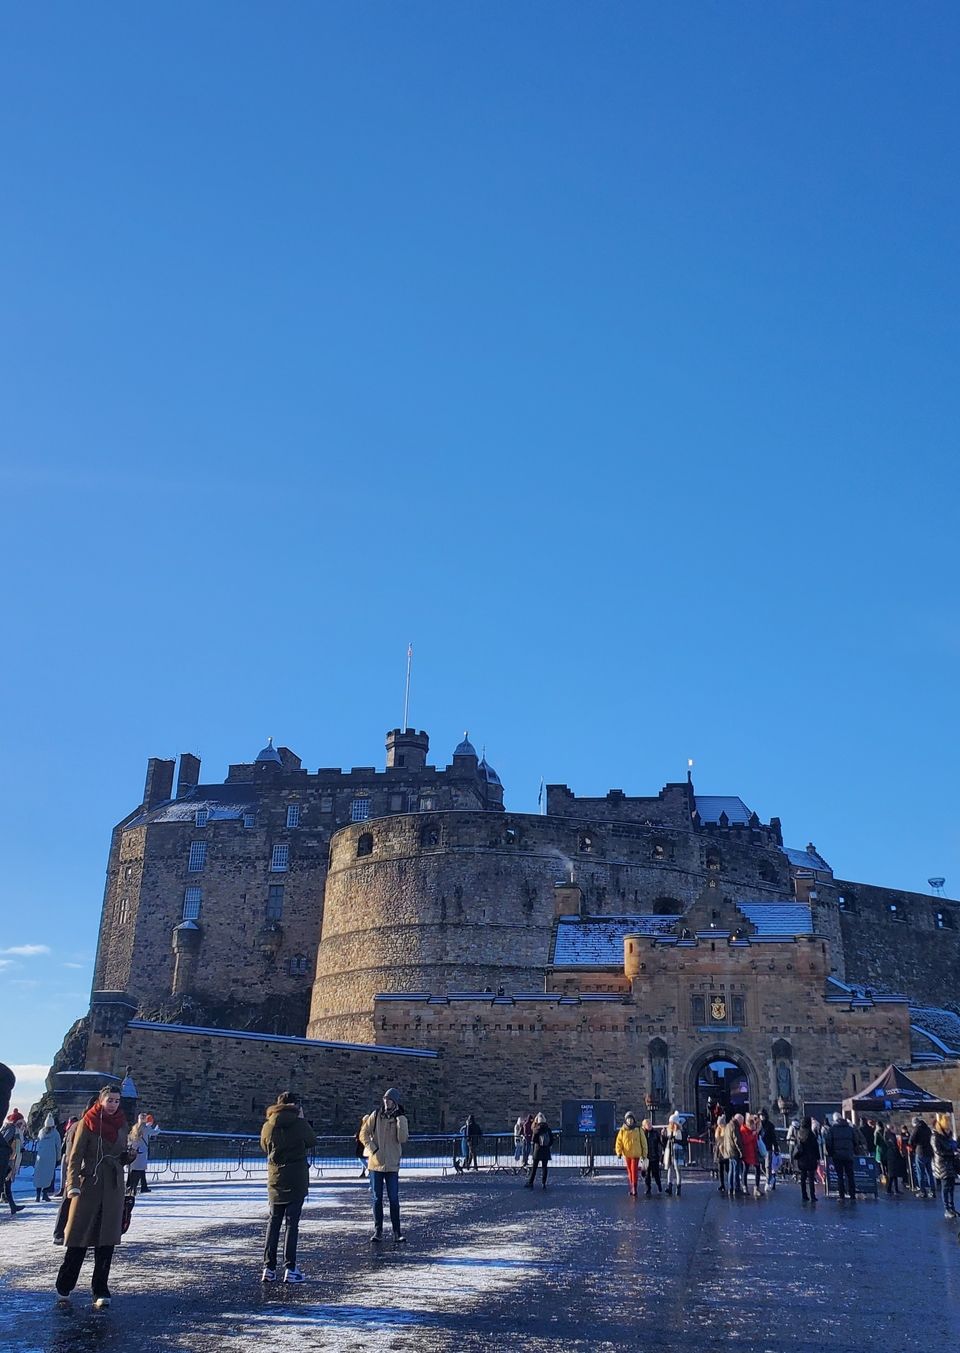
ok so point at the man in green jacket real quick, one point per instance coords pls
(286, 1137)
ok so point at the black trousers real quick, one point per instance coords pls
(542, 1162)
(653, 1176)
(280, 1212)
(137, 1181)
(60, 1225)
(844, 1169)
(471, 1156)
(72, 1264)
(808, 1177)
(8, 1194)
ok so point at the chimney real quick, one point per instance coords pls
(159, 783)
(567, 898)
(189, 776)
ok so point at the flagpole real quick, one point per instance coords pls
(406, 693)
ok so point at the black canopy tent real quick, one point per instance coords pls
(894, 1092)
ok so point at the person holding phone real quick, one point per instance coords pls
(287, 1138)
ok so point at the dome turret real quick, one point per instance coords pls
(487, 773)
(270, 753)
(465, 748)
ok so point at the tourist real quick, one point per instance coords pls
(95, 1188)
(945, 1161)
(527, 1139)
(69, 1132)
(13, 1134)
(654, 1153)
(895, 1163)
(805, 1153)
(921, 1144)
(868, 1131)
(383, 1133)
(141, 1134)
(631, 1147)
(839, 1144)
(751, 1155)
(768, 1141)
(518, 1139)
(732, 1152)
(719, 1163)
(128, 1095)
(47, 1158)
(472, 1135)
(286, 1137)
(540, 1144)
(674, 1152)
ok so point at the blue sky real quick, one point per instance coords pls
(606, 351)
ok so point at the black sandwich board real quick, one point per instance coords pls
(864, 1176)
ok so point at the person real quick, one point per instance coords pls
(631, 1147)
(750, 1154)
(732, 1151)
(472, 1134)
(654, 1154)
(47, 1158)
(359, 1152)
(95, 1188)
(868, 1131)
(11, 1153)
(286, 1138)
(128, 1095)
(540, 1144)
(805, 1154)
(527, 1139)
(767, 1136)
(719, 1163)
(895, 1164)
(141, 1134)
(792, 1131)
(921, 1144)
(945, 1161)
(518, 1139)
(69, 1132)
(383, 1133)
(674, 1152)
(840, 1145)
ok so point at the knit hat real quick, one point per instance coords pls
(674, 1117)
(393, 1094)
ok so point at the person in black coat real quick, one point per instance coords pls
(472, 1135)
(654, 1155)
(840, 1144)
(921, 1144)
(806, 1157)
(542, 1142)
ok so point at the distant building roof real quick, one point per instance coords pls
(710, 806)
(807, 859)
(221, 802)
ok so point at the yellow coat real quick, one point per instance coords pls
(631, 1142)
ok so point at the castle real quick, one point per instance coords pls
(342, 930)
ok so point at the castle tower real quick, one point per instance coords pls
(407, 749)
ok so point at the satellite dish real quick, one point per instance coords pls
(937, 884)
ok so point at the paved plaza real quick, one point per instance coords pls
(489, 1265)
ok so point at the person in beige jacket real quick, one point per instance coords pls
(383, 1134)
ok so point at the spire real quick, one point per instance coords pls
(270, 753)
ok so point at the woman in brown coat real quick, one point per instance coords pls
(95, 1187)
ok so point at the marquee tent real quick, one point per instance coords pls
(894, 1092)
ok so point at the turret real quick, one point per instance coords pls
(407, 749)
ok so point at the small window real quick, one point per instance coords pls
(191, 904)
(713, 860)
(200, 817)
(585, 843)
(739, 1007)
(841, 902)
(430, 835)
(659, 850)
(427, 803)
(896, 912)
(699, 1007)
(365, 843)
(326, 803)
(198, 856)
(280, 859)
(297, 965)
(123, 910)
(398, 803)
(275, 902)
(360, 810)
(510, 836)
(945, 921)
(249, 820)
(293, 815)
(128, 872)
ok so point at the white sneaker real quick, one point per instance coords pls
(269, 1275)
(101, 1303)
(63, 1303)
(292, 1275)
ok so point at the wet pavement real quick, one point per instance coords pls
(489, 1266)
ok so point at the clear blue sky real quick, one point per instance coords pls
(608, 351)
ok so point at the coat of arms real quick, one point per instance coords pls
(718, 1008)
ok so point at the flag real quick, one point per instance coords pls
(540, 795)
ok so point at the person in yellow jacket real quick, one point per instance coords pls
(631, 1145)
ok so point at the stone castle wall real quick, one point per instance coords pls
(902, 950)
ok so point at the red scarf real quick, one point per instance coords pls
(105, 1125)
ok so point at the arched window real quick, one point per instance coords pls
(430, 835)
(699, 1010)
(783, 1068)
(658, 1071)
(365, 843)
(585, 843)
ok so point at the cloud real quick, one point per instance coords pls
(6, 963)
(27, 950)
(74, 965)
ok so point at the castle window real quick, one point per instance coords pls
(944, 921)
(360, 810)
(200, 817)
(713, 859)
(274, 902)
(841, 902)
(767, 872)
(191, 904)
(249, 820)
(293, 815)
(585, 843)
(427, 803)
(365, 844)
(398, 803)
(326, 803)
(280, 859)
(659, 850)
(297, 965)
(430, 835)
(895, 912)
(699, 1010)
(198, 856)
(739, 1007)
(123, 910)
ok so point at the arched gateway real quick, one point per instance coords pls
(725, 1076)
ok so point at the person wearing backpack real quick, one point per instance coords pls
(805, 1152)
(541, 1142)
(287, 1138)
(674, 1152)
(384, 1133)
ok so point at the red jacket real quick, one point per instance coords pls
(748, 1144)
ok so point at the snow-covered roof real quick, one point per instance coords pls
(280, 1038)
(938, 1024)
(710, 806)
(221, 803)
(807, 859)
(778, 918)
(598, 942)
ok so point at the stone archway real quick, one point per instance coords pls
(735, 1091)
